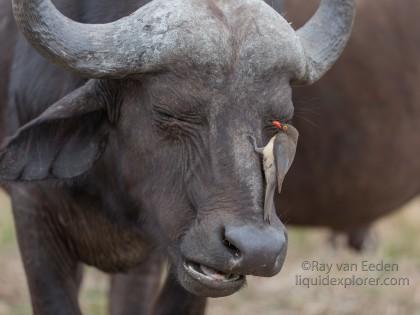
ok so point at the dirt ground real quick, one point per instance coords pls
(397, 244)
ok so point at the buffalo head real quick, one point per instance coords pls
(176, 92)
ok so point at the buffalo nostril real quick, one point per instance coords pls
(257, 250)
(232, 248)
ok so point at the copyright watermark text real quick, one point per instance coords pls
(363, 273)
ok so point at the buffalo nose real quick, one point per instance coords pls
(258, 251)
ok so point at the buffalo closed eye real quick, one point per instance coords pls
(176, 125)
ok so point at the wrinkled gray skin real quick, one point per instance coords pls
(151, 158)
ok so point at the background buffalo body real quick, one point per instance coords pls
(357, 158)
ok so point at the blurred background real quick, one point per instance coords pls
(396, 240)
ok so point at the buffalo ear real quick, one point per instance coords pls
(63, 142)
(284, 148)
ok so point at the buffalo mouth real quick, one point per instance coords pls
(202, 280)
(207, 274)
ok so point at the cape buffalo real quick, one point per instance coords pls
(142, 145)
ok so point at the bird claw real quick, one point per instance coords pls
(256, 148)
